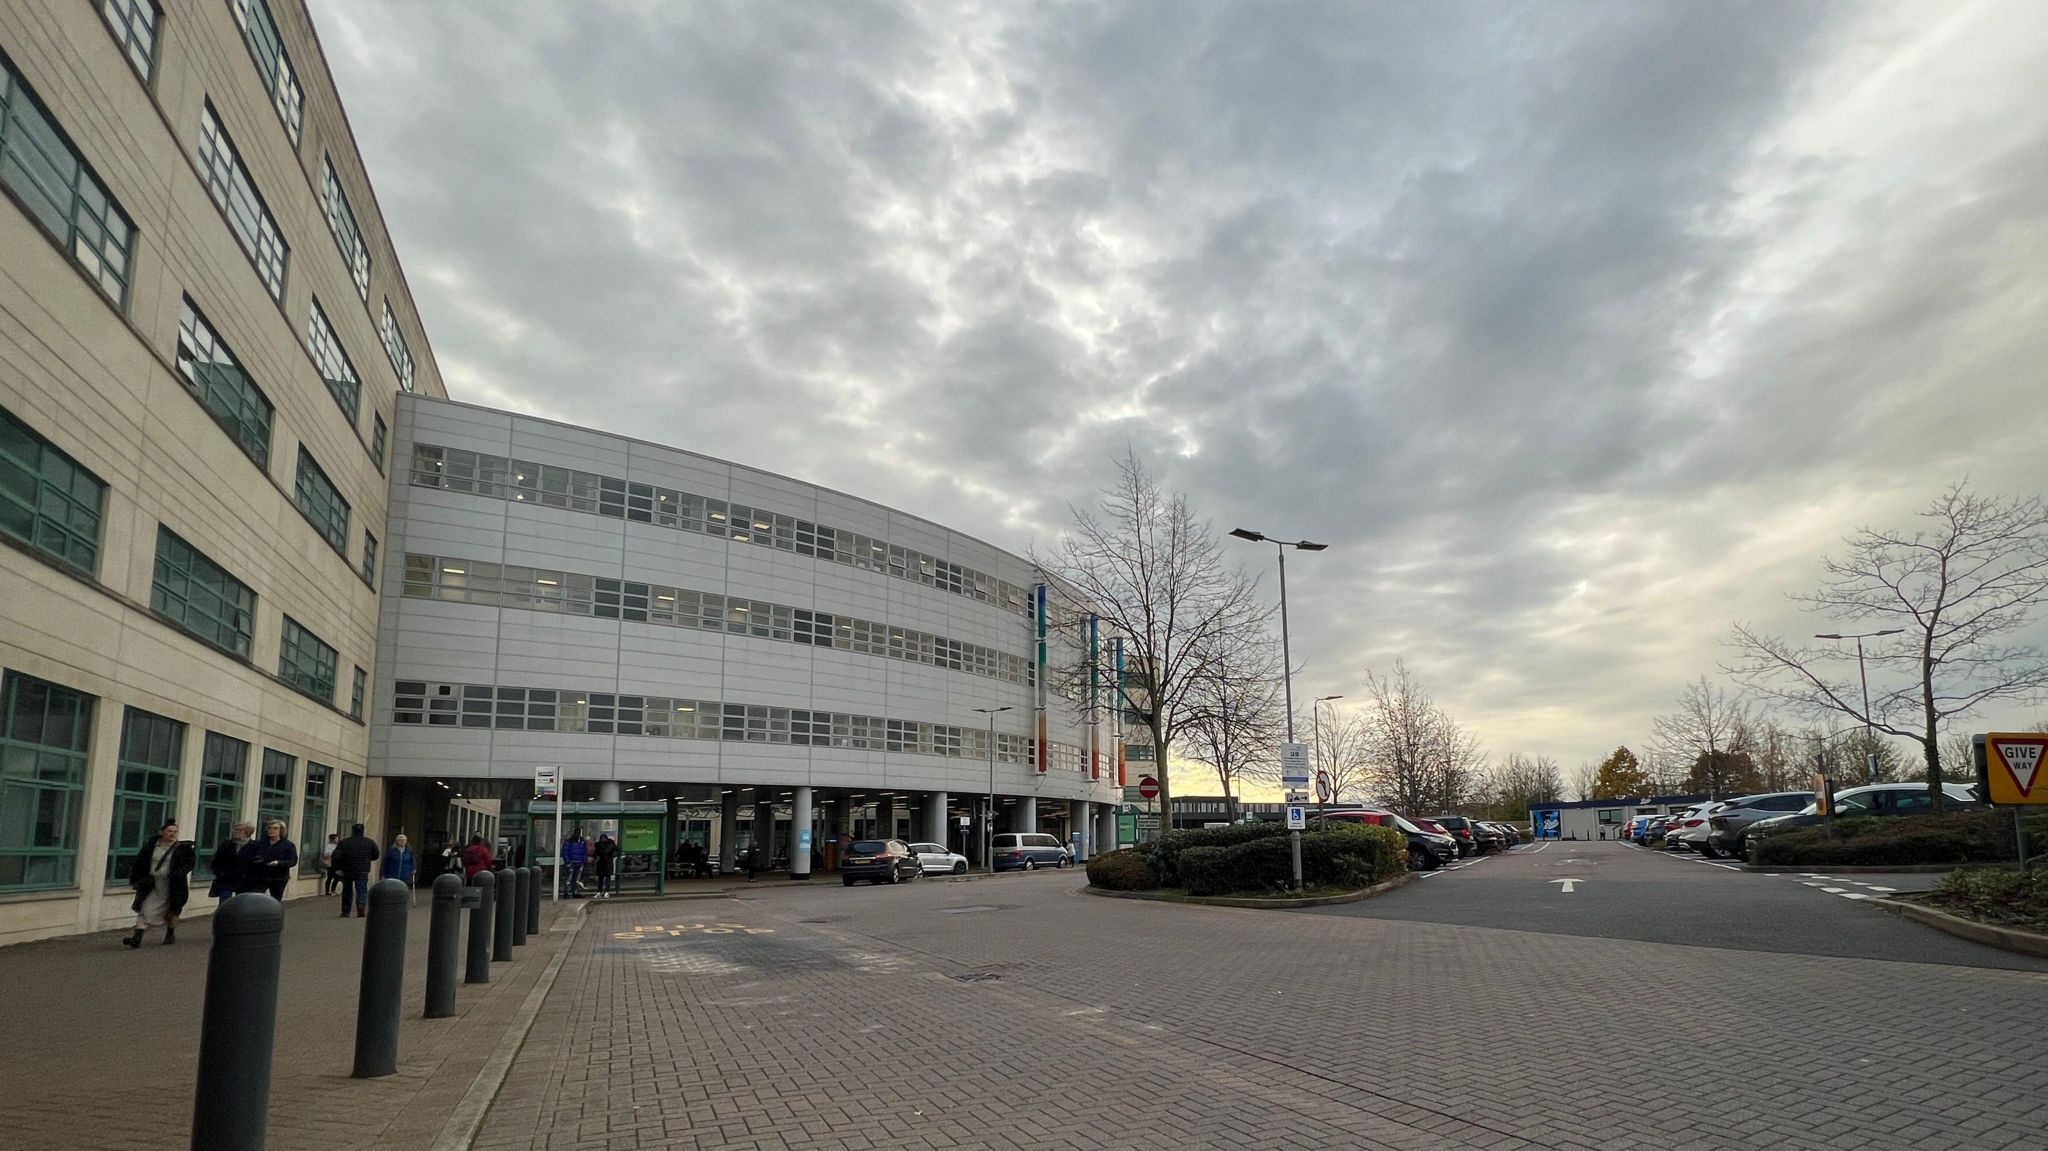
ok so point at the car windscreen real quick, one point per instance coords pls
(868, 847)
(1408, 827)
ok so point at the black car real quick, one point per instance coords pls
(1488, 837)
(1464, 831)
(1426, 851)
(879, 861)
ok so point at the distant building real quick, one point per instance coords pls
(1601, 818)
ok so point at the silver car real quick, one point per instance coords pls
(1730, 825)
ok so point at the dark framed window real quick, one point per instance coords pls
(321, 502)
(200, 596)
(341, 220)
(357, 688)
(335, 369)
(133, 23)
(45, 737)
(52, 181)
(266, 48)
(377, 437)
(274, 799)
(370, 560)
(216, 379)
(223, 775)
(305, 662)
(313, 826)
(395, 347)
(49, 502)
(145, 784)
(234, 192)
(349, 810)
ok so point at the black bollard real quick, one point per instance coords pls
(444, 939)
(522, 888)
(383, 981)
(533, 900)
(501, 919)
(231, 1100)
(480, 928)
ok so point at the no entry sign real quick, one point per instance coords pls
(1148, 787)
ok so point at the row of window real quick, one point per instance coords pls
(234, 192)
(497, 477)
(571, 593)
(604, 713)
(45, 744)
(50, 504)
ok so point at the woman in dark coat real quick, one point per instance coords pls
(161, 874)
(266, 864)
(227, 861)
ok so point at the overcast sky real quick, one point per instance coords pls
(1579, 331)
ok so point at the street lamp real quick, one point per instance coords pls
(1869, 736)
(1286, 657)
(988, 817)
(1315, 735)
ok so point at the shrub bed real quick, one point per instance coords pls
(1347, 858)
(1168, 848)
(2004, 898)
(1126, 870)
(1964, 837)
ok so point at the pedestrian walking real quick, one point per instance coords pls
(161, 874)
(399, 864)
(266, 864)
(227, 862)
(575, 857)
(605, 858)
(352, 859)
(476, 857)
(332, 878)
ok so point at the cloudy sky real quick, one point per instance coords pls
(1579, 331)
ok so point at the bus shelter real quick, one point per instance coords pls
(641, 828)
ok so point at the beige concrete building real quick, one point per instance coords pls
(203, 327)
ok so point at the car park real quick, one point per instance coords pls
(1028, 851)
(1871, 799)
(1427, 850)
(879, 861)
(936, 859)
(1728, 828)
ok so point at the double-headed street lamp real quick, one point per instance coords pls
(988, 819)
(1286, 657)
(1869, 735)
(1315, 735)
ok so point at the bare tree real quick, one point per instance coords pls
(1420, 757)
(1520, 781)
(1711, 731)
(1232, 717)
(1585, 781)
(1344, 746)
(1959, 589)
(1155, 575)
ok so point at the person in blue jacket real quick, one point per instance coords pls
(575, 855)
(400, 864)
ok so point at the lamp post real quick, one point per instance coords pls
(1286, 655)
(988, 817)
(1869, 734)
(1315, 735)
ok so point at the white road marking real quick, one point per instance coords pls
(1808, 883)
(1875, 887)
(1834, 890)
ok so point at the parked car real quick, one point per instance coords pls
(1513, 833)
(1431, 826)
(1883, 799)
(1676, 824)
(1695, 827)
(1728, 828)
(1487, 837)
(1637, 829)
(1427, 850)
(1459, 829)
(1028, 851)
(935, 859)
(879, 861)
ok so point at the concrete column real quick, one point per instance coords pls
(608, 791)
(885, 817)
(728, 831)
(1077, 818)
(799, 826)
(764, 832)
(935, 828)
(1027, 814)
(1105, 830)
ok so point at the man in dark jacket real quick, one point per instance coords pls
(353, 858)
(606, 857)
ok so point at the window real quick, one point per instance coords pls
(45, 734)
(199, 596)
(234, 193)
(56, 187)
(274, 800)
(321, 503)
(223, 773)
(1610, 815)
(48, 502)
(305, 662)
(313, 827)
(145, 785)
(349, 811)
(369, 559)
(133, 23)
(377, 443)
(355, 693)
(216, 379)
(267, 49)
(332, 362)
(341, 220)
(401, 357)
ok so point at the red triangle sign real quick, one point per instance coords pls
(2022, 759)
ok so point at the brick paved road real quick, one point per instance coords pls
(1018, 1013)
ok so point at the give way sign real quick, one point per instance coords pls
(2013, 767)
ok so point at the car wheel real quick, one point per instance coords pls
(848, 879)
(1031, 865)
(960, 868)
(1061, 865)
(895, 875)
(1709, 850)
(1417, 859)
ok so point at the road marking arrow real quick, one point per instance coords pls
(1568, 884)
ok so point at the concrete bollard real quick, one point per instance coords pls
(238, 1026)
(522, 888)
(444, 939)
(501, 920)
(481, 928)
(383, 980)
(533, 899)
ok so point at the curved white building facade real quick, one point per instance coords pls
(663, 625)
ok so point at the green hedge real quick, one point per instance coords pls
(1126, 870)
(1963, 837)
(2006, 898)
(1167, 849)
(1348, 858)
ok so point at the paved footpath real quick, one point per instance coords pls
(101, 1041)
(1018, 1013)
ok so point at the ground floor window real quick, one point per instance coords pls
(313, 832)
(275, 800)
(45, 731)
(223, 774)
(145, 785)
(350, 811)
